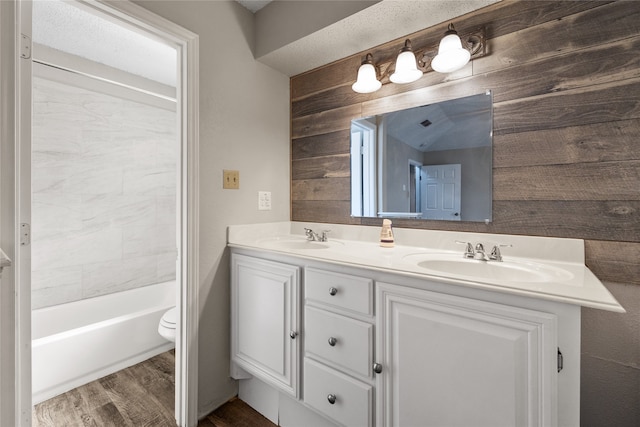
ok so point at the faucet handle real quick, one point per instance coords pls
(495, 254)
(323, 236)
(309, 233)
(468, 251)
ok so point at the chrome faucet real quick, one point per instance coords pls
(468, 249)
(315, 237)
(495, 254)
(479, 252)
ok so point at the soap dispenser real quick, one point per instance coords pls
(386, 234)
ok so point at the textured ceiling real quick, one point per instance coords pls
(65, 27)
(77, 31)
(375, 25)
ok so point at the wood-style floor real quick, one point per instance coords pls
(139, 396)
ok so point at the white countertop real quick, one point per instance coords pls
(358, 246)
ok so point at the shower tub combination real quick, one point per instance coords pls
(81, 341)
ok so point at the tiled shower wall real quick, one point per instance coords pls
(104, 194)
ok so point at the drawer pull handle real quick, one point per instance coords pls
(332, 341)
(293, 335)
(333, 291)
(331, 398)
(377, 368)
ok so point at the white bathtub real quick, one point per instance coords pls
(79, 342)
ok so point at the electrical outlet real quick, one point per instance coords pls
(264, 200)
(231, 179)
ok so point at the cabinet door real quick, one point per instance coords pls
(453, 361)
(264, 320)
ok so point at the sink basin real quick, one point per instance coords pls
(294, 244)
(507, 270)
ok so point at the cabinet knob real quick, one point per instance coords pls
(333, 291)
(377, 368)
(293, 335)
(332, 341)
(331, 398)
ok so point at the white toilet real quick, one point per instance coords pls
(167, 326)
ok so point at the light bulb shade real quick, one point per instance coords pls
(451, 55)
(406, 68)
(367, 81)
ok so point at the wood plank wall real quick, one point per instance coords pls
(566, 84)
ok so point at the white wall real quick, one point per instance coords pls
(396, 166)
(244, 125)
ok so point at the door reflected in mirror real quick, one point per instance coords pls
(431, 162)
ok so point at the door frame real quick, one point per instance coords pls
(418, 186)
(363, 168)
(15, 146)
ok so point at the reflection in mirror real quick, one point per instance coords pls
(429, 162)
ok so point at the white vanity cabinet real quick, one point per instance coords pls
(449, 360)
(265, 321)
(338, 340)
(371, 337)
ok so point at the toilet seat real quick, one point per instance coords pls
(167, 325)
(169, 318)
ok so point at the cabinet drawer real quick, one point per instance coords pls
(340, 290)
(353, 399)
(352, 340)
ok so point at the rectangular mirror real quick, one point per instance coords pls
(430, 162)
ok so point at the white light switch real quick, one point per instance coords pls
(264, 200)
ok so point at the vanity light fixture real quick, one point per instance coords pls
(367, 81)
(452, 53)
(406, 66)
